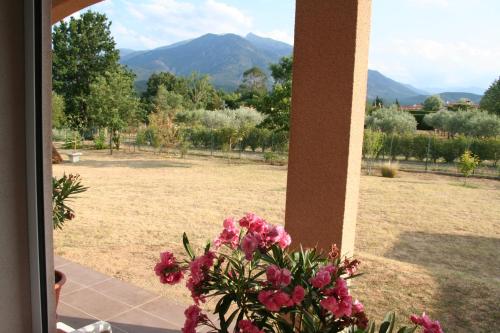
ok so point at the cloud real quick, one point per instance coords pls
(433, 62)
(173, 20)
(431, 3)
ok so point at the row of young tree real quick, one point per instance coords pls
(425, 147)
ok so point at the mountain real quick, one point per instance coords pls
(445, 96)
(226, 57)
(223, 57)
(388, 89)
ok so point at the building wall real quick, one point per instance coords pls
(15, 304)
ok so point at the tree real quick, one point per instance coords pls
(467, 164)
(391, 121)
(476, 123)
(113, 103)
(253, 86)
(83, 49)
(491, 98)
(433, 103)
(373, 142)
(57, 110)
(200, 90)
(378, 103)
(277, 104)
(167, 100)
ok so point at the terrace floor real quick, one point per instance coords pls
(89, 296)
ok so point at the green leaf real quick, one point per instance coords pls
(390, 319)
(187, 247)
(384, 327)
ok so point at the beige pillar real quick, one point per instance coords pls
(328, 105)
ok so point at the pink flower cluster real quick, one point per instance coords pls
(168, 269)
(277, 298)
(337, 299)
(339, 302)
(323, 277)
(429, 325)
(229, 235)
(274, 300)
(278, 277)
(261, 235)
(246, 326)
(198, 272)
(193, 318)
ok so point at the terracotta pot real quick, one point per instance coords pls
(60, 280)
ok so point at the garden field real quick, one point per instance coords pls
(426, 242)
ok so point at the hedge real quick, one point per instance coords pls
(422, 146)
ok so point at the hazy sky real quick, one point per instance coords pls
(427, 43)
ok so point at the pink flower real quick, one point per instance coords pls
(246, 326)
(426, 322)
(338, 308)
(357, 307)
(249, 244)
(322, 278)
(341, 288)
(167, 269)
(298, 294)
(229, 224)
(277, 234)
(193, 317)
(253, 223)
(278, 277)
(198, 269)
(351, 266)
(274, 300)
(229, 235)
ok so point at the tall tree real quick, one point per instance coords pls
(253, 86)
(433, 103)
(200, 90)
(112, 103)
(83, 49)
(57, 110)
(277, 104)
(491, 98)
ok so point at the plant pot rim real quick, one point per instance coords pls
(60, 279)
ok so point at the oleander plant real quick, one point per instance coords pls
(260, 285)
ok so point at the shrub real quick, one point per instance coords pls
(100, 141)
(274, 159)
(420, 146)
(373, 142)
(73, 141)
(184, 146)
(389, 170)
(467, 164)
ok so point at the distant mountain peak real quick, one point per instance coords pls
(222, 56)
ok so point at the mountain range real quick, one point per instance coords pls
(225, 58)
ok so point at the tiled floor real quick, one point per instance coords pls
(89, 296)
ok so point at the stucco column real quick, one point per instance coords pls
(328, 105)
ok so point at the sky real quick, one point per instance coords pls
(433, 45)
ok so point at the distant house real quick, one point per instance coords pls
(414, 107)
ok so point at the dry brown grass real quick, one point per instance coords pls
(426, 242)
